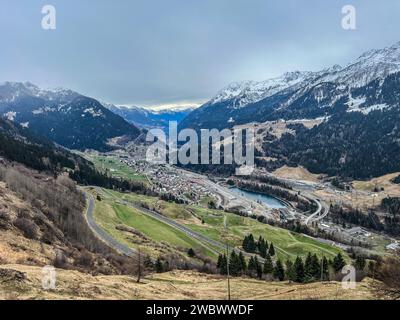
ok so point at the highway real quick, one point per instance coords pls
(205, 241)
(321, 212)
(103, 235)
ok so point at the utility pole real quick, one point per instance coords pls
(227, 260)
(227, 271)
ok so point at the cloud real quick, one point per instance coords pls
(168, 52)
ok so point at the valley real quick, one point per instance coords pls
(78, 192)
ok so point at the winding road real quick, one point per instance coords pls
(103, 235)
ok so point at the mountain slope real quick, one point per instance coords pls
(64, 116)
(298, 95)
(20, 145)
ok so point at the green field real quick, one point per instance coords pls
(114, 167)
(163, 238)
(209, 222)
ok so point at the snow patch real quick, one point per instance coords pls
(10, 115)
(43, 110)
(369, 109)
(93, 112)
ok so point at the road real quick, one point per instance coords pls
(221, 248)
(321, 212)
(103, 235)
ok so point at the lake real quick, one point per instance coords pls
(269, 201)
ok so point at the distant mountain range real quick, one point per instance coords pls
(147, 118)
(359, 86)
(359, 104)
(63, 116)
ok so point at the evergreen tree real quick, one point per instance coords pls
(268, 266)
(298, 267)
(245, 244)
(271, 250)
(290, 274)
(259, 269)
(338, 262)
(308, 268)
(191, 253)
(219, 261)
(325, 269)
(222, 264)
(262, 247)
(315, 267)
(243, 264)
(279, 272)
(251, 244)
(252, 267)
(234, 264)
(360, 263)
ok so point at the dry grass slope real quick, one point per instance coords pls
(24, 282)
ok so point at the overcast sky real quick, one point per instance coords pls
(172, 52)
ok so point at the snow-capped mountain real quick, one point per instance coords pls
(64, 116)
(11, 91)
(149, 118)
(359, 86)
(244, 93)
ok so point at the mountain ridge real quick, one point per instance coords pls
(68, 118)
(263, 98)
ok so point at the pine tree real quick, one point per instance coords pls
(245, 244)
(290, 274)
(325, 269)
(279, 272)
(259, 269)
(338, 262)
(191, 253)
(315, 267)
(234, 264)
(262, 248)
(308, 268)
(271, 250)
(222, 264)
(298, 267)
(219, 261)
(252, 267)
(243, 263)
(268, 266)
(360, 263)
(251, 244)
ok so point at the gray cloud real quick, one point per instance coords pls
(157, 51)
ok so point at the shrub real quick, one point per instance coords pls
(5, 220)
(27, 227)
(85, 259)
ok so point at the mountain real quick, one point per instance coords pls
(357, 145)
(297, 95)
(20, 146)
(64, 116)
(359, 107)
(147, 118)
